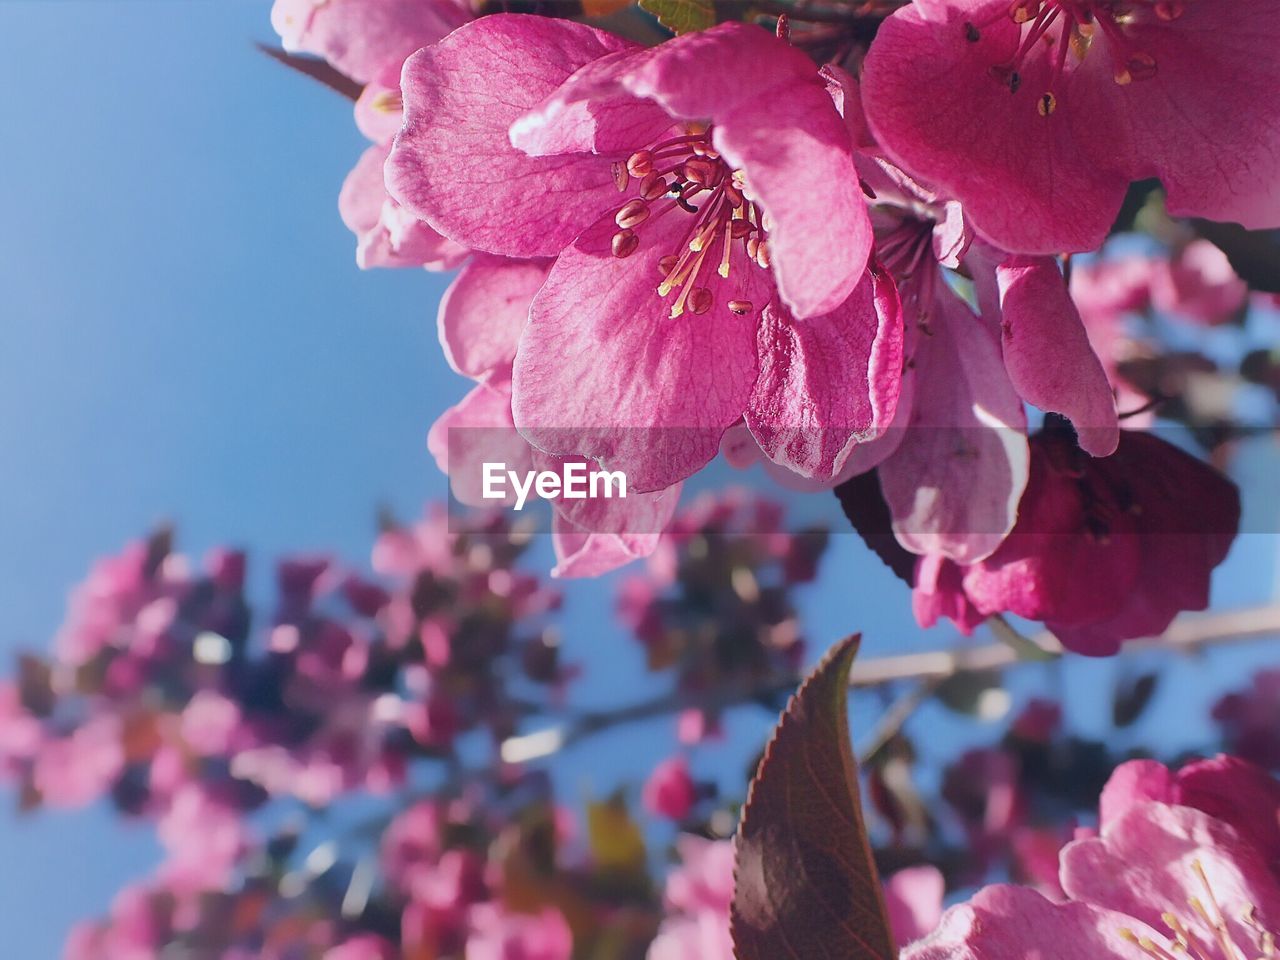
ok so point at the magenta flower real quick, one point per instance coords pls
(670, 791)
(1104, 550)
(913, 900)
(1037, 114)
(1161, 880)
(703, 236)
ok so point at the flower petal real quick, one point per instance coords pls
(604, 371)
(1028, 182)
(485, 309)
(386, 235)
(954, 483)
(453, 164)
(1048, 355)
(476, 431)
(828, 383)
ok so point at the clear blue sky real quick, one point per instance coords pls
(186, 337)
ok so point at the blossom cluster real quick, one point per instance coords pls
(831, 247)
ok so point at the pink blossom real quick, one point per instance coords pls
(74, 770)
(913, 899)
(1158, 875)
(670, 791)
(586, 112)
(366, 946)
(1074, 100)
(1103, 550)
(1199, 285)
(501, 935)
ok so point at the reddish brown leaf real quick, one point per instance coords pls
(807, 886)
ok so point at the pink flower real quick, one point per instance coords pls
(75, 770)
(1232, 790)
(670, 792)
(1161, 880)
(1198, 284)
(913, 899)
(1074, 99)
(366, 946)
(1103, 551)
(499, 935)
(690, 258)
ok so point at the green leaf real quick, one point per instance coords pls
(682, 16)
(806, 883)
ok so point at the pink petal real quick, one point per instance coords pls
(1028, 182)
(485, 309)
(828, 383)
(1048, 355)
(604, 372)
(581, 554)
(1144, 865)
(1132, 783)
(592, 112)
(379, 110)
(954, 483)
(360, 36)
(1017, 923)
(386, 235)
(913, 898)
(453, 163)
(735, 75)
(476, 431)
(1224, 162)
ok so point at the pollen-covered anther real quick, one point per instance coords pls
(1170, 9)
(1047, 104)
(703, 172)
(667, 264)
(624, 243)
(653, 186)
(620, 176)
(740, 307)
(632, 214)
(640, 163)
(762, 254)
(700, 300)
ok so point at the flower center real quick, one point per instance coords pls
(1068, 28)
(687, 174)
(1183, 944)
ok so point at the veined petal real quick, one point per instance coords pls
(484, 311)
(604, 371)
(828, 383)
(1048, 355)
(453, 164)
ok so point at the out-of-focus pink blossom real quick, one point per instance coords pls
(1251, 719)
(1199, 285)
(498, 934)
(913, 899)
(670, 791)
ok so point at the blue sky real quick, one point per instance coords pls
(186, 338)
